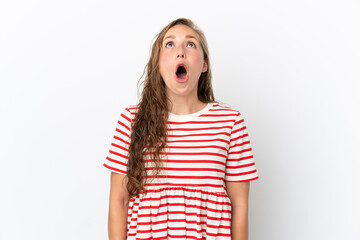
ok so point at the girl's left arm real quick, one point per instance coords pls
(239, 194)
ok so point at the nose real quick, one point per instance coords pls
(180, 52)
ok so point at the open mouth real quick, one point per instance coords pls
(181, 72)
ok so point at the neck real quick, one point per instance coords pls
(185, 106)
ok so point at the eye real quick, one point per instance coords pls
(192, 44)
(167, 44)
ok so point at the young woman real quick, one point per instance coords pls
(180, 161)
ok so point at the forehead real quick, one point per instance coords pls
(181, 31)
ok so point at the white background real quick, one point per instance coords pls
(67, 69)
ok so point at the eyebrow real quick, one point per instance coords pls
(187, 36)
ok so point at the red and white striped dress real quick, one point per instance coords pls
(189, 201)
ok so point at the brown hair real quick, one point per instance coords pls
(149, 124)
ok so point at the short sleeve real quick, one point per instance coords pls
(118, 155)
(240, 165)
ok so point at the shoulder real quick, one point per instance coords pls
(229, 113)
(225, 108)
(130, 110)
(127, 114)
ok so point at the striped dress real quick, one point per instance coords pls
(189, 199)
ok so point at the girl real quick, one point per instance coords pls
(180, 161)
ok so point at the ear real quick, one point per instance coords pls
(205, 66)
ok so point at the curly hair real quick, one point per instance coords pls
(148, 133)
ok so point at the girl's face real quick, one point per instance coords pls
(181, 46)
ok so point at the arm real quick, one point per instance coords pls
(239, 194)
(118, 207)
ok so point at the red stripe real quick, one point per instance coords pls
(223, 108)
(181, 236)
(244, 180)
(238, 130)
(189, 169)
(184, 185)
(239, 174)
(179, 212)
(186, 177)
(197, 129)
(242, 151)
(187, 206)
(240, 159)
(201, 122)
(115, 161)
(116, 153)
(202, 200)
(237, 138)
(218, 234)
(190, 153)
(184, 228)
(122, 132)
(240, 144)
(169, 220)
(190, 161)
(169, 212)
(122, 140)
(189, 147)
(200, 134)
(116, 169)
(222, 194)
(219, 115)
(241, 166)
(127, 118)
(203, 140)
(238, 122)
(119, 146)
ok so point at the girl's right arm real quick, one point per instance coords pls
(118, 207)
